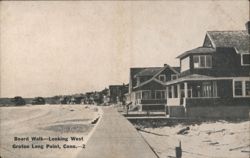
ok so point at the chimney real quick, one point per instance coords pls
(248, 27)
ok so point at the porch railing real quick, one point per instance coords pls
(153, 101)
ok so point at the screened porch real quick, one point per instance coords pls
(150, 97)
(176, 93)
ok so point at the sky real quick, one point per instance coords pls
(52, 48)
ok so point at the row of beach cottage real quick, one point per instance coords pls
(213, 80)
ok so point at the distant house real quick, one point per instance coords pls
(89, 98)
(147, 87)
(105, 96)
(117, 93)
(215, 78)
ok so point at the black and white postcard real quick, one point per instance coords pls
(125, 79)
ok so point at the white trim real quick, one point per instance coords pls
(243, 88)
(167, 89)
(202, 79)
(185, 90)
(178, 91)
(213, 44)
(154, 77)
(215, 88)
(162, 75)
(172, 91)
(166, 66)
(148, 81)
(241, 59)
(205, 62)
(161, 94)
(176, 75)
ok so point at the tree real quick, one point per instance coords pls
(18, 100)
(38, 101)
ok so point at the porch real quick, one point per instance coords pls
(178, 93)
(209, 98)
(151, 100)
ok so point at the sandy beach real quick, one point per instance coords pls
(218, 139)
(46, 131)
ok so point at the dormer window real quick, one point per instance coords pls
(245, 59)
(174, 76)
(202, 61)
(162, 78)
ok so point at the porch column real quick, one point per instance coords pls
(243, 88)
(172, 88)
(185, 89)
(178, 91)
(167, 92)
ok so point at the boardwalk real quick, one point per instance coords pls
(115, 137)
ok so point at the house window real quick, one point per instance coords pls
(241, 88)
(138, 95)
(146, 94)
(209, 61)
(175, 91)
(162, 78)
(206, 89)
(245, 59)
(174, 77)
(247, 88)
(163, 94)
(238, 88)
(170, 92)
(160, 94)
(152, 95)
(202, 61)
(185, 64)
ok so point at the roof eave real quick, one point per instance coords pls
(148, 81)
(188, 54)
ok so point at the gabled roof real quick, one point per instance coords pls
(150, 71)
(190, 77)
(240, 40)
(175, 69)
(148, 81)
(199, 50)
(134, 71)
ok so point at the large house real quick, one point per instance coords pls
(214, 79)
(147, 87)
